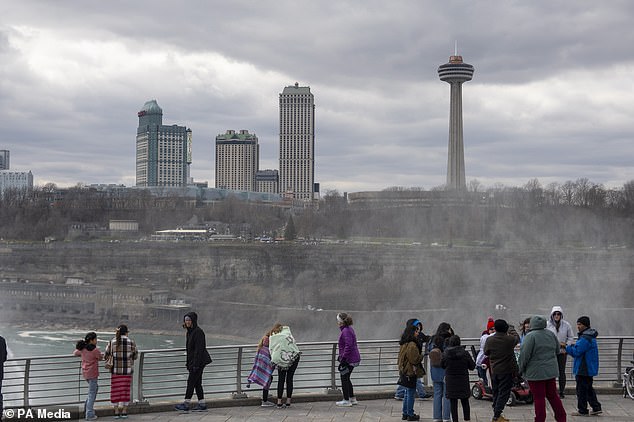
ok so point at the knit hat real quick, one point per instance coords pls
(501, 326)
(490, 323)
(584, 320)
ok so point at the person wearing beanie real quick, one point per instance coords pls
(197, 358)
(482, 361)
(500, 348)
(538, 365)
(585, 366)
(563, 331)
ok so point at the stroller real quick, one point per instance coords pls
(520, 392)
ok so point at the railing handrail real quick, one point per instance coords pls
(160, 373)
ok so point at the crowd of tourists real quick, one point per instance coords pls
(537, 354)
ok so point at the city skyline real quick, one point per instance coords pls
(550, 100)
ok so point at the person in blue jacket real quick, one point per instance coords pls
(585, 366)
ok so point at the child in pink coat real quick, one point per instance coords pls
(90, 357)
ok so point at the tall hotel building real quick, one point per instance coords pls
(297, 142)
(237, 157)
(163, 153)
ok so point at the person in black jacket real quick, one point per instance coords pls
(3, 359)
(457, 363)
(197, 358)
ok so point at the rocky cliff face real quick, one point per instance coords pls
(245, 288)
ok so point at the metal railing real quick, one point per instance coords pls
(160, 375)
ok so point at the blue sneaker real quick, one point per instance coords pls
(183, 407)
(200, 407)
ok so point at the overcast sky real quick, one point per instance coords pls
(551, 97)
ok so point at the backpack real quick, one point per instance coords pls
(284, 350)
(435, 357)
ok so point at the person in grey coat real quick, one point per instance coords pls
(563, 330)
(538, 364)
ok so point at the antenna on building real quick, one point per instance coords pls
(455, 48)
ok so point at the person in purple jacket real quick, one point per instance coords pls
(348, 358)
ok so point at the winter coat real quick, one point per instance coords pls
(538, 353)
(348, 349)
(90, 357)
(457, 363)
(124, 354)
(3, 356)
(481, 357)
(409, 360)
(197, 355)
(500, 348)
(586, 353)
(284, 350)
(564, 332)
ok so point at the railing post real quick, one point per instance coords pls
(27, 369)
(619, 368)
(139, 393)
(333, 382)
(239, 394)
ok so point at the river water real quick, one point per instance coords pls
(23, 342)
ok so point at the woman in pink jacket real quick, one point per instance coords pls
(90, 357)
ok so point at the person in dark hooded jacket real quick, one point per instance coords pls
(197, 358)
(585, 367)
(457, 363)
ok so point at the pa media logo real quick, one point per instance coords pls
(42, 414)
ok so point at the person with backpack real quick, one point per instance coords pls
(197, 358)
(285, 355)
(436, 347)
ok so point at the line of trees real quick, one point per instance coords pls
(579, 212)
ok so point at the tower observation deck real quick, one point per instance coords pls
(455, 73)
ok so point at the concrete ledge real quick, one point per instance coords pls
(168, 406)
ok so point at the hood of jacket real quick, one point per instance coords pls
(590, 333)
(538, 322)
(194, 317)
(556, 308)
(454, 352)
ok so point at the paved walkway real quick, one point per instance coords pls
(615, 408)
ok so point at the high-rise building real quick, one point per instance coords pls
(15, 180)
(163, 153)
(297, 142)
(455, 73)
(267, 181)
(4, 159)
(237, 157)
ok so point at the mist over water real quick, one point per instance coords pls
(529, 262)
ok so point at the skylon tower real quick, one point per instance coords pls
(455, 73)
